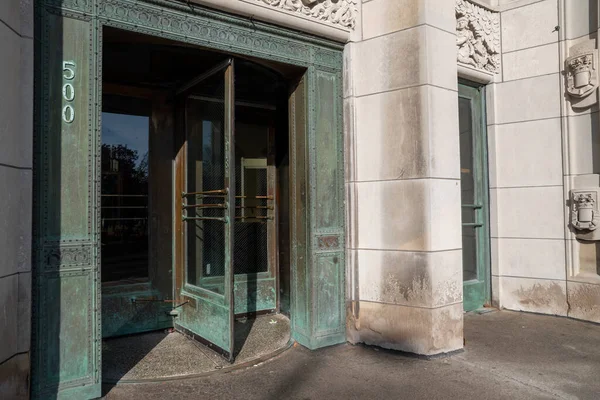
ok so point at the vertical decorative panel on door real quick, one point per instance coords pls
(327, 205)
(317, 199)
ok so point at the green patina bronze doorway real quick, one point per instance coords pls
(474, 196)
(173, 274)
(227, 207)
(183, 201)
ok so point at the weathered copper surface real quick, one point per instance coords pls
(66, 351)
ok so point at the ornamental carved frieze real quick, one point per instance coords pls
(582, 75)
(477, 37)
(337, 12)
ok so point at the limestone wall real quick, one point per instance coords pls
(540, 147)
(403, 183)
(581, 154)
(16, 133)
(525, 163)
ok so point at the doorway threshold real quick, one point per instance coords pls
(169, 355)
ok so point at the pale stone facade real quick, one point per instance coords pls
(541, 146)
(403, 59)
(403, 179)
(16, 149)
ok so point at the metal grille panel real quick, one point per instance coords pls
(250, 248)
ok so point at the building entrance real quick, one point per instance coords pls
(245, 115)
(194, 167)
(474, 197)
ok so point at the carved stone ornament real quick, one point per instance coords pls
(337, 12)
(582, 77)
(477, 37)
(585, 217)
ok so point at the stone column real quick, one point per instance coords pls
(403, 180)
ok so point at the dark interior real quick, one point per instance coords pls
(140, 75)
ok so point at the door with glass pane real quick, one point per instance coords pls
(474, 197)
(205, 204)
(135, 216)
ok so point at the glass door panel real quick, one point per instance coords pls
(124, 196)
(206, 202)
(206, 184)
(255, 235)
(132, 295)
(474, 197)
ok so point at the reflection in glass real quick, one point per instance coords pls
(469, 245)
(205, 172)
(468, 198)
(124, 196)
(250, 245)
(467, 182)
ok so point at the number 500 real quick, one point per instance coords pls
(68, 91)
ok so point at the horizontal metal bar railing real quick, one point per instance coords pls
(223, 206)
(123, 195)
(216, 193)
(114, 207)
(222, 219)
(472, 206)
(255, 197)
(207, 193)
(124, 219)
(219, 192)
(217, 206)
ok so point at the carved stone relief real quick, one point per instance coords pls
(337, 12)
(582, 75)
(585, 217)
(477, 37)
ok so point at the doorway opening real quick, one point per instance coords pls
(474, 197)
(195, 238)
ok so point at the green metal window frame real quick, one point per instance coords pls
(477, 292)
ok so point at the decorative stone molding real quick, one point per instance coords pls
(585, 217)
(477, 37)
(337, 12)
(582, 75)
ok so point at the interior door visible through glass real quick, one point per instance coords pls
(474, 197)
(206, 182)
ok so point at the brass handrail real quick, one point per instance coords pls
(222, 219)
(125, 219)
(123, 195)
(255, 197)
(127, 207)
(207, 192)
(217, 206)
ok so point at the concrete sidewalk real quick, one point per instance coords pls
(507, 355)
